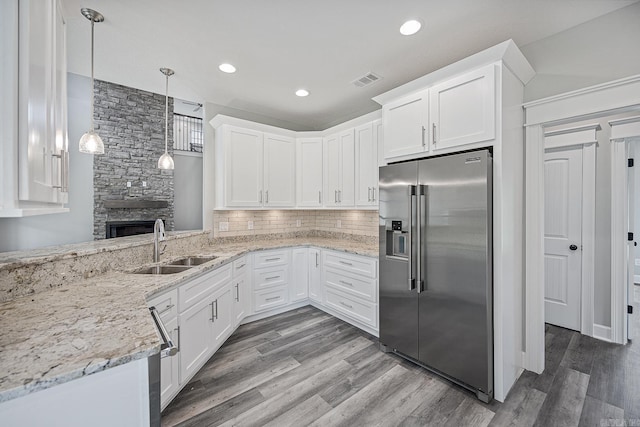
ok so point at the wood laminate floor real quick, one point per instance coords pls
(305, 367)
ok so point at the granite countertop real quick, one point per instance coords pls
(77, 329)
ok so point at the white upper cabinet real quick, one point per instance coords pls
(309, 172)
(462, 110)
(258, 171)
(339, 169)
(366, 143)
(34, 108)
(279, 171)
(243, 169)
(405, 125)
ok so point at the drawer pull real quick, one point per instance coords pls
(272, 277)
(167, 308)
(240, 266)
(346, 263)
(346, 283)
(272, 259)
(272, 299)
(346, 305)
(238, 292)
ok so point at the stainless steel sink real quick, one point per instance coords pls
(162, 269)
(192, 260)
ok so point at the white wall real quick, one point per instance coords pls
(597, 51)
(76, 225)
(187, 187)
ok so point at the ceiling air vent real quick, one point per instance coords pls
(366, 80)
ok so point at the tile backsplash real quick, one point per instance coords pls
(357, 222)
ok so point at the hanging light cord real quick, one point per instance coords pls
(166, 114)
(92, 82)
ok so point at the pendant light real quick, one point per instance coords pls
(90, 141)
(165, 161)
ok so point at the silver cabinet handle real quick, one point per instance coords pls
(272, 259)
(272, 277)
(368, 194)
(424, 142)
(266, 196)
(339, 196)
(216, 303)
(319, 196)
(237, 292)
(345, 263)
(272, 299)
(240, 266)
(167, 348)
(346, 283)
(346, 305)
(433, 135)
(64, 171)
(167, 308)
(260, 193)
(317, 259)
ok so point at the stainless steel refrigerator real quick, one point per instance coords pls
(436, 287)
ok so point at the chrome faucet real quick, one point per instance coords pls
(158, 236)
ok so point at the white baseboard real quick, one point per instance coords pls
(602, 332)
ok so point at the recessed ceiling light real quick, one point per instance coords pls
(227, 68)
(410, 27)
(302, 92)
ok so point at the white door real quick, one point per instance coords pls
(299, 287)
(279, 171)
(196, 337)
(222, 315)
(463, 109)
(309, 172)
(366, 165)
(244, 167)
(346, 191)
(315, 276)
(405, 122)
(169, 366)
(563, 237)
(241, 301)
(331, 160)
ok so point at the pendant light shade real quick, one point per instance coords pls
(165, 161)
(91, 142)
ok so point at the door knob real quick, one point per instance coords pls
(573, 247)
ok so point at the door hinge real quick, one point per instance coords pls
(629, 309)
(630, 163)
(630, 237)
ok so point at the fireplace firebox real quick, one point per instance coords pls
(128, 228)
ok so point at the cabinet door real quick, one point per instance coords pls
(299, 284)
(405, 122)
(463, 109)
(366, 165)
(309, 172)
(196, 336)
(346, 195)
(243, 167)
(279, 171)
(222, 315)
(241, 301)
(331, 160)
(315, 278)
(169, 366)
(36, 89)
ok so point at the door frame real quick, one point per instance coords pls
(596, 101)
(585, 139)
(623, 132)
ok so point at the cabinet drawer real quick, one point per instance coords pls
(193, 291)
(166, 304)
(355, 308)
(240, 266)
(270, 277)
(358, 265)
(364, 288)
(270, 298)
(270, 258)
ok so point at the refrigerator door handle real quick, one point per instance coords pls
(410, 257)
(420, 214)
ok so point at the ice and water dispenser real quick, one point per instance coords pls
(397, 239)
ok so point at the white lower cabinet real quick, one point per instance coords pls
(315, 276)
(299, 274)
(203, 312)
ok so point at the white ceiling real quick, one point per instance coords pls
(279, 46)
